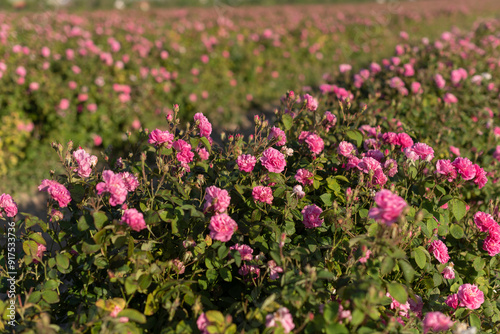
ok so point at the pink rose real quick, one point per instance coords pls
(405, 140)
(346, 149)
(246, 162)
(367, 164)
(57, 191)
(437, 321)
(484, 221)
(114, 185)
(492, 243)
(448, 272)
(304, 177)
(216, 199)
(389, 207)
(222, 227)
(444, 167)
(134, 219)
(470, 296)
(440, 251)
(391, 167)
(262, 194)
(278, 135)
(480, 179)
(131, 182)
(203, 124)
(424, 151)
(158, 138)
(202, 323)
(283, 317)
(452, 301)
(273, 160)
(85, 162)
(244, 250)
(465, 168)
(311, 215)
(7, 206)
(274, 270)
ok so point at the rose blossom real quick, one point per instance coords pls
(437, 322)
(282, 316)
(274, 270)
(470, 296)
(391, 166)
(273, 160)
(85, 162)
(424, 151)
(297, 190)
(492, 243)
(444, 167)
(304, 177)
(134, 219)
(484, 221)
(57, 191)
(131, 182)
(216, 199)
(452, 301)
(158, 137)
(244, 250)
(203, 124)
(278, 135)
(448, 272)
(246, 162)
(440, 251)
(389, 207)
(262, 194)
(405, 140)
(367, 164)
(222, 227)
(8, 206)
(184, 154)
(311, 215)
(202, 323)
(345, 148)
(114, 185)
(465, 168)
(480, 179)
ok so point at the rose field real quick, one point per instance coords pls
(236, 169)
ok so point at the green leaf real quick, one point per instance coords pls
(215, 317)
(99, 219)
(398, 292)
(327, 199)
(88, 248)
(211, 275)
(222, 251)
(420, 257)
(225, 273)
(363, 213)
(408, 271)
(387, 265)
(206, 143)
(50, 296)
(357, 317)
(38, 238)
(479, 264)
(287, 121)
(133, 315)
(475, 321)
(458, 208)
(355, 135)
(84, 223)
(336, 328)
(62, 261)
(35, 297)
(77, 192)
(30, 247)
(456, 231)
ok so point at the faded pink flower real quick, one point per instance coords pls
(246, 162)
(440, 251)
(179, 266)
(367, 164)
(389, 207)
(346, 149)
(470, 296)
(283, 317)
(248, 269)
(203, 124)
(131, 182)
(7, 206)
(57, 191)
(202, 323)
(311, 103)
(450, 98)
(379, 178)
(278, 135)
(391, 167)
(465, 168)
(134, 219)
(39, 252)
(244, 250)
(114, 185)
(216, 199)
(85, 162)
(273, 160)
(449, 272)
(304, 177)
(64, 104)
(203, 153)
(366, 254)
(444, 167)
(298, 191)
(262, 194)
(403, 309)
(455, 150)
(452, 301)
(159, 138)
(311, 215)
(274, 270)
(437, 322)
(222, 227)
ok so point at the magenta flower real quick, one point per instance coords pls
(7, 206)
(134, 219)
(389, 207)
(248, 269)
(159, 138)
(405, 140)
(444, 167)
(222, 227)
(244, 250)
(283, 317)
(203, 124)
(470, 296)
(424, 151)
(379, 178)
(246, 162)
(346, 149)
(452, 301)
(131, 182)
(114, 185)
(56, 191)
(437, 322)
(465, 168)
(304, 177)
(315, 143)
(39, 252)
(274, 270)
(273, 160)
(367, 164)
(184, 154)
(492, 242)
(262, 194)
(484, 221)
(440, 251)
(278, 135)
(311, 215)
(480, 179)
(216, 199)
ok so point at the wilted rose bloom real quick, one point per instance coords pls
(492, 242)
(465, 168)
(331, 119)
(282, 316)
(440, 251)
(204, 125)
(297, 190)
(262, 194)
(273, 160)
(202, 323)
(216, 199)
(311, 215)
(389, 207)
(248, 269)
(158, 137)
(452, 301)
(222, 227)
(114, 185)
(449, 272)
(7, 206)
(246, 162)
(134, 219)
(417, 305)
(274, 270)
(131, 182)
(278, 134)
(244, 250)
(346, 149)
(444, 167)
(304, 177)
(375, 154)
(437, 322)
(344, 314)
(470, 296)
(179, 266)
(391, 166)
(57, 191)
(403, 309)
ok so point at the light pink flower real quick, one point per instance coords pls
(389, 207)
(311, 215)
(158, 138)
(222, 227)
(455, 150)
(179, 266)
(216, 199)
(437, 322)
(246, 162)
(416, 88)
(202, 323)
(134, 219)
(7, 206)
(297, 190)
(57, 191)
(452, 301)
(262, 194)
(278, 134)
(114, 185)
(85, 162)
(470, 296)
(274, 270)
(203, 153)
(131, 182)
(449, 272)
(480, 179)
(391, 167)
(273, 160)
(367, 164)
(465, 168)
(439, 80)
(204, 125)
(304, 177)
(450, 98)
(344, 68)
(440, 251)
(310, 102)
(346, 149)
(403, 309)
(184, 154)
(366, 254)
(283, 317)
(424, 151)
(492, 242)
(244, 250)
(39, 252)
(315, 143)
(444, 167)
(379, 178)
